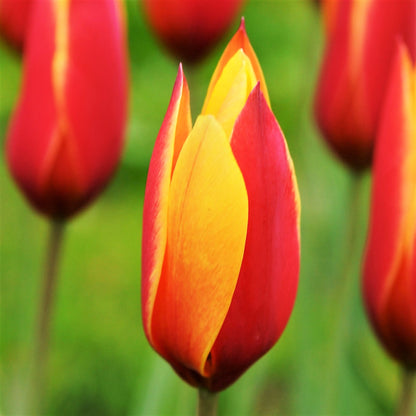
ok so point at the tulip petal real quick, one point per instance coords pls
(96, 87)
(231, 91)
(207, 227)
(388, 278)
(239, 41)
(175, 128)
(267, 284)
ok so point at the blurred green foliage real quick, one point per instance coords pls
(326, 362)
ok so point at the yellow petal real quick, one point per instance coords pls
(231, 91)
(207, 225)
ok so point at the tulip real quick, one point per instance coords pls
(14, 19)
(220, 249)
(189, 29)
(66, 135)
(354, 74)
(389, 283)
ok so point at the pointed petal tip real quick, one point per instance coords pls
(180, 75)
(181, 78)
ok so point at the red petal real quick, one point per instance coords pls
(96, 88)
(267, 284)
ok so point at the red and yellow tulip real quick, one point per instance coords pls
(354, 74)
(14, 20)
(66, 135)
(390, 262)
(220, 256)
(189, 29)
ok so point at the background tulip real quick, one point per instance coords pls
(390, 261)
(66, 134)
(189, 29)
(354, 72)
(220, 256)
(14, 20)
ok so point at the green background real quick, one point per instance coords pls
(326, 362)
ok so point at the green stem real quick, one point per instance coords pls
(408, 394)
(207, 403)
(42, 336)
(342, 302)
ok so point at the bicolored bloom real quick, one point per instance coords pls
(66, 135)
(390, 262)
(14, 20)
(353, 79)
(189, 29)
(220, 251)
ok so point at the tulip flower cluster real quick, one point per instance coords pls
(66, 134)
(361, 43)
(220, 256)
(390, 262)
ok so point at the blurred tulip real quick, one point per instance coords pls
(360, 48)
(14, 19)
(220, 255)
(66, 135)
(189, 29)
(390, 263)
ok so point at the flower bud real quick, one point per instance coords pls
(189, 29)
(66, 134)
(220, 250)
(354, 74)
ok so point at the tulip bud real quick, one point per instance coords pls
(189, 29)
(14, 19)
(220, 250)
(66, 135)
(354, 73)
(389, 283)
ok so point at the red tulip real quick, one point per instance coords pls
(189, 29)
(390, 261)
(220, 255)
(14, 20)
(66, 135)
(354, 74)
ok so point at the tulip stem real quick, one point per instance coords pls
(45, 313)
(408, 394)
(207, 403)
